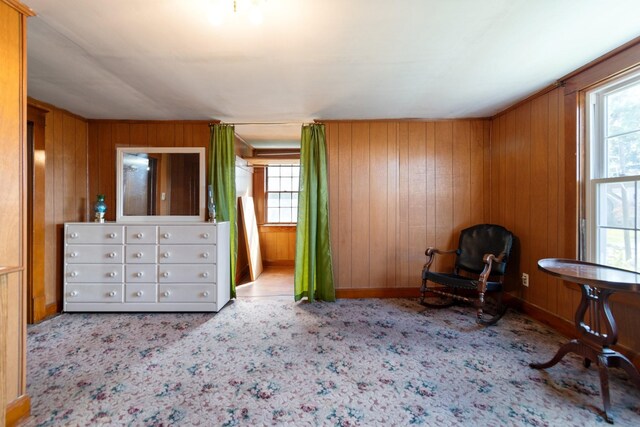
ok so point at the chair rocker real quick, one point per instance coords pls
(481, 261)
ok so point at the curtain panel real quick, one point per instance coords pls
(313, 276)
(222, 177)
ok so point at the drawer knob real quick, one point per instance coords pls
(74, 235)
(73, 293)
(165, 294)
(205, 255)
(139, 235)
(112, 235)
(165, 274)
(112, 294)
(139, 274)
(139, 255)
(205, 294)
(205, 274)
(73, 274)
(139, 293)
(166, 255)
(166, 235)
(205, 235)
(112, 274)
(73, 254)
(112, 255)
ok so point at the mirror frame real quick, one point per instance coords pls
(120, 217)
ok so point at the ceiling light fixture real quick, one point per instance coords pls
(224, 10)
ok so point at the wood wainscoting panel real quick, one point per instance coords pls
(13, 206)
(397, 187)
(66, 189)
(277, 244)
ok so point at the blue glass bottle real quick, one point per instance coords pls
(100, 208)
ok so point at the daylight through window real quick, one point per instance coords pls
(613, 205)
(282, 186)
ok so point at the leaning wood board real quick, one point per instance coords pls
(251, 236)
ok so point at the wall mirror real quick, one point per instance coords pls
(160, 184)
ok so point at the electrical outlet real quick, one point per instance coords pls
(525, 279)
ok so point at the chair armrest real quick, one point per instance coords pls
(431, 252)
(488, 259)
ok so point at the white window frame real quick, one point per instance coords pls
(596, 164)
(266, 192)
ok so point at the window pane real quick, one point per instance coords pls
(623, 110)
(285, 215)
(273, 171)
(285, 184)
(273, 184)
(285, 200)
(282, 195)
(616, 204)
(617, 248)
(273, 215)
(623, 155)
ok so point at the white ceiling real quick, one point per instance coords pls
(311, 59)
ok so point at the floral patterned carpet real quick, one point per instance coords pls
(275, 362)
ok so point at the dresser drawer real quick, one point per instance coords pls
(186, 293)
(93, 254)
(94, 273)
(185, 234)
(187, 273)
(141, 234)
(89, 233)
(140, 254)
(142, 273)
(183, 254)
(141, 292)
(91, 292)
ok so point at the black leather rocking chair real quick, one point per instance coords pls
(481, 261)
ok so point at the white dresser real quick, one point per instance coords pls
(146, 267)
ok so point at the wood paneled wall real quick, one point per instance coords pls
(537, 185)
(531, 196)
(106, 135)
(13, 207)
(66, 189)
(398, 187)
(277, 242)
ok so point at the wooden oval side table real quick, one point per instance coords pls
(598, 330)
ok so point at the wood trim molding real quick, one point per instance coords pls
(52, 309)
(278, 263)
(36, 238)
(20, 7)
(613, 63)
(32, 102)
(18, 410)
(378, 292)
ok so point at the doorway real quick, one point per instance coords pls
(36, 300)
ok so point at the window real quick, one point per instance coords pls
(282, 185)
(613, 202)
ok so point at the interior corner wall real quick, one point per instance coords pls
(66, 186)
(534, 180)
(397, 187)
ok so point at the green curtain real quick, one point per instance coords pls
(222, 177)
(313, 267)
